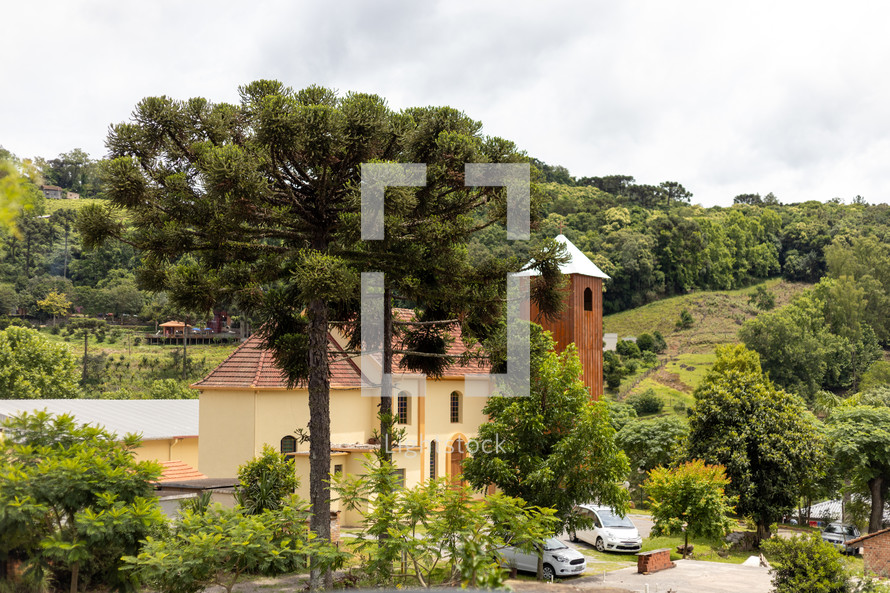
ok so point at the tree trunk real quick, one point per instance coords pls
(65, 266)
(685, 542)
(83, 373)
(876, 487)
(319, 429)
(763, 531)
(75, 573)
(540, 568)
(386, 407)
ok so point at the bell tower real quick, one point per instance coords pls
(581, 322)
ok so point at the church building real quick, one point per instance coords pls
(245, 402)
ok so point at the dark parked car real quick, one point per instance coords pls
(838, 534)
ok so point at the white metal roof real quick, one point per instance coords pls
(153, 418)
(578, 262)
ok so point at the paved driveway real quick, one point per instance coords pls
(689, 576)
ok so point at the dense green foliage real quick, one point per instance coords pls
(217, 546)
(31, 367)
(764, 437)
(557, 449)
(73, 500)
(820, 341)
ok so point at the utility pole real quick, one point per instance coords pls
(185, 339)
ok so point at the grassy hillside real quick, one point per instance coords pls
(717, 315)
(123, 368)
(53, 205)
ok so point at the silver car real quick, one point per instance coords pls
(610, 532)
(559, 559)
(838, 534)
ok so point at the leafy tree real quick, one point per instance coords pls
(72, 498)
(32, 367)
(437, 523)
(85, 328)
(860, 441)
(652, 443)
(558, 449)
(265, 482)
(645, 402)
(263, 195)
(74, 171)
(763, 436)
(806, 563)
(218, 546)
(55, 304)
(690, 498)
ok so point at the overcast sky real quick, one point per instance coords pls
(791, 98)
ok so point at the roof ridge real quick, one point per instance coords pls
(259, 368)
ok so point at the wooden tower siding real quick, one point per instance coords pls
(575, 323)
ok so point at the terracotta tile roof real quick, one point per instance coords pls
(174, 471)
(455, 348)
(250, 366)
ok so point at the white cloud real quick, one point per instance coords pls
(755, 97)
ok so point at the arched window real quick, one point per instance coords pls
(403, 409)
(588, 299)
(434, 454)
(456, 406)
(289, 446)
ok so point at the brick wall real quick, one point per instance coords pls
(654, 561)
(876, 555)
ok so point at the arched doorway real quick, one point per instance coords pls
(456, 453)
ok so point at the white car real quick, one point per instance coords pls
(610, 532)
(559, 559)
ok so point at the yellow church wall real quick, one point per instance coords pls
(227, 426)
(183, 449)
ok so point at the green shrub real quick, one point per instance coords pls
(686, 321)
(627, 349)
(631, 366)
(806, 563)
(646, 342)
(650, 358)
(265, 482)
(613, 370)
(659, 345)
(645, 402)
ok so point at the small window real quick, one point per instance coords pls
(456, 407)
(338, 469)
(403, 410)
(289, 447)
(588, 299)
(399, 475)
(434, 454)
